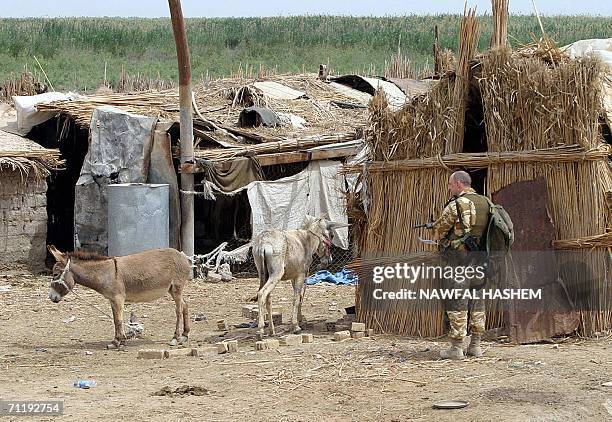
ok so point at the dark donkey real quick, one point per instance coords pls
(140, 277)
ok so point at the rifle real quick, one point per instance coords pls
(431, 220)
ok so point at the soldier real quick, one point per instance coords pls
(459, 235)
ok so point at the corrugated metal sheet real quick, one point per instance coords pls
(360, 97)
(413, 87)
(369, 86)
(278, 91)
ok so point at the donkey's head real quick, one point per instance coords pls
(321, 228)
(62, 282)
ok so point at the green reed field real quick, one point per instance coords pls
(74, 51)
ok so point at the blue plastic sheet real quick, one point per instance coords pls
(341, 277)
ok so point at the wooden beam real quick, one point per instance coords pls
(281, 158)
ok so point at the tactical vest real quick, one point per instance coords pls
(482, 214)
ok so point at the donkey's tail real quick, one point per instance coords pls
(263, 272)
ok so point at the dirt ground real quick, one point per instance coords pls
(380, 378)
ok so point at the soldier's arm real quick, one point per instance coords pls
(446, 221)
(468, 212)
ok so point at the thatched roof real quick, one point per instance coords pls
(325, 109)
(17, 153)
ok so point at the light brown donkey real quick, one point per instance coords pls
(140, 277)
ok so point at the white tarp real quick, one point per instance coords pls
(28, 116)
(284, 203)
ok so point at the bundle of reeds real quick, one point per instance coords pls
(531, 105)
(499, 36)
(419, 129)
(468, 41)
(37, 161)
(26, 83)
(562, 154)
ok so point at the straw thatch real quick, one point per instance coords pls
(221, 101)
(541, 120)
(25, 156)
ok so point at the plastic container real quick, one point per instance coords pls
(85, 384)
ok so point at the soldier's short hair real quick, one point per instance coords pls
(462, 177)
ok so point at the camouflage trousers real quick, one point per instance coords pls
(463, 312)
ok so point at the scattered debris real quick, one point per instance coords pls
(68, 320)
(40, 349)
(134, 329)
(222, 325)
(199, 317)
(88, 353)
(85, 384)
(607, 384)
(451, 404)
(185, 390)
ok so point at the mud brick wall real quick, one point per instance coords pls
(23, 221)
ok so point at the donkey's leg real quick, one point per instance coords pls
(262, 296)
(301, 319)
(186, 322)
(117, 307)
(271, 329)
(178, 303)
(298, 283)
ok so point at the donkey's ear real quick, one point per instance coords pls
(59, 257)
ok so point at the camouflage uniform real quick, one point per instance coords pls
(448, 229)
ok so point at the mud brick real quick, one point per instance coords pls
(222, 347)
(358, 326)
(222, 325)
(342, 335)
(357, 334)
(151, 354)
(201, 351)
(307, 338)
(290, 340)
(261, 345)
(172, 353)
(232, 345)
(272, 343)
(370, 332)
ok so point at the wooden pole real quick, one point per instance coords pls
(436, 51)
(186, 126)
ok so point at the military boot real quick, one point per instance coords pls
(455, 351)
(474, 347)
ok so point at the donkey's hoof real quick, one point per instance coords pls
(297, 330)
(173, 342)
(183, 339)
(111, 346)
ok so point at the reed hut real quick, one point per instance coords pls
(506, 117)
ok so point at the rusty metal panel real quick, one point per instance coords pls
(534, 266)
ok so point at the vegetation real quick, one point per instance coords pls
(74, 52)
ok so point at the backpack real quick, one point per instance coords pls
(499, 234)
